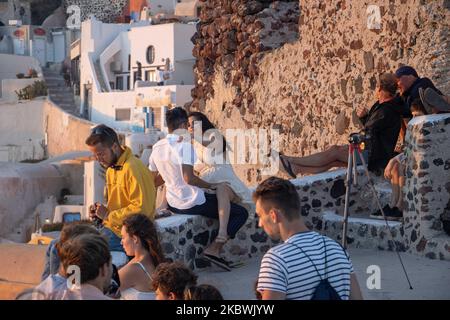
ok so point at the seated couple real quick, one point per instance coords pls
(382, 124)
(215, 192)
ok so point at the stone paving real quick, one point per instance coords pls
(430, 278)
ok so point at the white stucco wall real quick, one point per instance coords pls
(22, 188)
(155, 97)
(10, 65)
(160, 36)
(21, 131)
(10, 86)
(162, 6)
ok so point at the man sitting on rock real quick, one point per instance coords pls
(381, 124)
(129, 184)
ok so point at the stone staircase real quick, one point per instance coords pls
(59, 93)
(363, 231)
(99, 75)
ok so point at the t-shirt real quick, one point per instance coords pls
(286, 269)
(167, 158)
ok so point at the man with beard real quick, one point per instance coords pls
(130, 186)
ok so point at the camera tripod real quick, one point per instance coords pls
(355, 147)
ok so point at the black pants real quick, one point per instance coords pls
(209, 209)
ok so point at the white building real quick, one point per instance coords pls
(110, 89)
(46, 44)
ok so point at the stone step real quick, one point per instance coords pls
(61, 92)
(364, 233)
(61, 96)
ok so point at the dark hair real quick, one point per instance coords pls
(202, 292)
(141, 226)
(206, 125)
(418, 106)
(72, 230)
(104, 135)
(173, 277)
(89, 252)
(388, 83)
(281, 194)
(175, 118)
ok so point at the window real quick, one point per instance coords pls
(150, 55)
(123, 114)
(150, 75)
(119, 83)
(128, 83)
(129, 62)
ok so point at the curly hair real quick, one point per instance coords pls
(173, 278)
(281, 194)
(141, 226)
(202, 292)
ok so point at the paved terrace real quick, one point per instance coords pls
(430, 278)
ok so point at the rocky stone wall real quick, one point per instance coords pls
(427, 189)
(304, 69)
(322, 197)
(107, 11)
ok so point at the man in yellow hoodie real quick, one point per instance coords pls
(130, 186)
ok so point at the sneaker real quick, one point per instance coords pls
(391, 214)
(377, 214)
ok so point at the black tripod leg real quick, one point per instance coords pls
(348, 185)
(382, 212)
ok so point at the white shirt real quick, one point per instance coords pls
(167, 158)
(85, 292)
(159, 76)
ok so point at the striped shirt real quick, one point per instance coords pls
(286, 269)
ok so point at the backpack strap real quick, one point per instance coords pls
(310, 260)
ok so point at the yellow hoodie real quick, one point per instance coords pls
(130, 189)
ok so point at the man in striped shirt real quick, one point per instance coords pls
(294, 269)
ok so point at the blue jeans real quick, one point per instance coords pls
(238, 214)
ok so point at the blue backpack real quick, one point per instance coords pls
(324, 290)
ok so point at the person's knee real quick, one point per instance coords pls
(225, 191)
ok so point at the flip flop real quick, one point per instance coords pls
(217, 261)
(287, 167)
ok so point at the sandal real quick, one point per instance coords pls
(220, 262)
(287, 167)
(221, 239)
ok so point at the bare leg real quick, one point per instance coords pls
(322, 159)
(224, 197)
(314, 170)
(162, 198)
(395, 185)
(401, 183)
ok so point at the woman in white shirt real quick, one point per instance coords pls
(140, 240)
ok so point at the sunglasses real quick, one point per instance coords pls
(102, 131)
